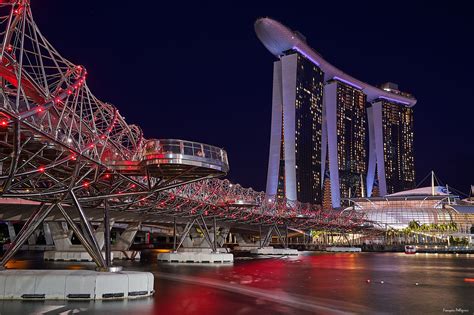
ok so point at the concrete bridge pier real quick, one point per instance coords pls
(32, 242)
(47, 234)
(245, 243)
(196, 243)
(262, 246)
(65, 250)
(121, 249)
(222, 235)
(61, 236)
(107, 281)
(196, 240)
(34, 237)
(11, 231)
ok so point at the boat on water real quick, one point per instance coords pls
(410, 249)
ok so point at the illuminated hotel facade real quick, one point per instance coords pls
(327, 124)
(297, 133)
(391, 142)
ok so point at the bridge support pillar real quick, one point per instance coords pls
(95, 253)
(108, 259)
(208, 237)
(175, 235)
(121, 249)
(88, 238)
(11, 231)
(188, 248)
(33, 237)
(214, 234)
(61, 237)
(47, 234)
(263, 247)
(245, 244)
(224, 233)
(36, 218)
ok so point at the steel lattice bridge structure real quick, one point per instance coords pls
(68, 150)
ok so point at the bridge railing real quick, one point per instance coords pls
(157, 148)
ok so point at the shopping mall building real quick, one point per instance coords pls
(434, 206)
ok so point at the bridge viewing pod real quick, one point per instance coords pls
(172, 158)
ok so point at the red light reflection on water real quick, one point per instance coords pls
(279, 285)
(187, 299)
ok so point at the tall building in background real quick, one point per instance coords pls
(294, 170)
(328, 127)
(392, 142)
(346, 120)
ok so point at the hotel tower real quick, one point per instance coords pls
(328, 127)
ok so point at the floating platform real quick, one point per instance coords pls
(196, 257)
(71, 255)
(344, 249)
(274, 251)
(74, 285)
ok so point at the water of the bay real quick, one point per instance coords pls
(312, 283)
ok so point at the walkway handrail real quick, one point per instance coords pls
(158, 147)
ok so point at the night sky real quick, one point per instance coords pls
(197, 71)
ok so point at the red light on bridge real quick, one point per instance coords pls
(41, 169)
(85, 184)
(3, 123)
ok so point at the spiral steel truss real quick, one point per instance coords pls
(235, 204)
(60, 145)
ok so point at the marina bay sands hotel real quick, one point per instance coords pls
(331, 133)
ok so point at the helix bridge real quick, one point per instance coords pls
(64, 148)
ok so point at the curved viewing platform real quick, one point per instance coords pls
(278, 39)
(176, 156)
(172, 158)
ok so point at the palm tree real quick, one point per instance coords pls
(443, 227)
(406, 233)
(453, 226)
(414, 225)
(390, 234)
